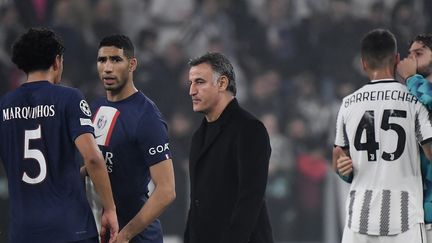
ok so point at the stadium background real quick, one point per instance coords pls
(294, 60)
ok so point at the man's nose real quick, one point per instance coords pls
(108, 67)
(192, 89)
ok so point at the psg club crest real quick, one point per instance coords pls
(101, 122)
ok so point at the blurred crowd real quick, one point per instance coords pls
(294, 61)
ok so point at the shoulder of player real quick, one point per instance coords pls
(62, 90)
(146, 110)
(7, 96)
(149, 115)
(147, 107)
(98, 102)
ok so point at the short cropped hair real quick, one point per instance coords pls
(121, 42)
(426, 39)
(37, 49)
(220, 64)
(378, 48)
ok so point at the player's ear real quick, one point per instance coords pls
(57, 62)
(223, 82)
(364, 64)
(133, 62)
(397, 58)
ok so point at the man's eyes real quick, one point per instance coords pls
(112, 59)
(196, 82)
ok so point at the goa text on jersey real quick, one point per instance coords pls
(132, 136)
(40, 122)
(382, 124)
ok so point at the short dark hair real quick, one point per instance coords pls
(37, 49)
(426, 39)
(220, 64)
(378, 48)
(121, 42)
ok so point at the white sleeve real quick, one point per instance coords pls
(341, 138)
(423, 124)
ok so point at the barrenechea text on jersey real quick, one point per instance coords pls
(28, 112)
(375, 95)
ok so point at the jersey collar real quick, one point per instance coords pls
(385, 80)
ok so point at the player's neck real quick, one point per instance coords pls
(217, 110)
(39, 76)
(128, 90)
(381, 74)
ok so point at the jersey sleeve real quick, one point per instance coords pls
(422, 89)
(78, 115)
(423, 124)
(341, 138)
(152, 136)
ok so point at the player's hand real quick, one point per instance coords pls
(344, 165)
(109, 222)
(121, 238)
(83, 171)
(407, 67)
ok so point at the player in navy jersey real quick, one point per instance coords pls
(381, 125)
(41, 128)
(133, 138)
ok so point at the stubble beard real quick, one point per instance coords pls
(116, 88)
(425, 70)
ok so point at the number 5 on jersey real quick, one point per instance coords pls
(35, 154)
(367, 124)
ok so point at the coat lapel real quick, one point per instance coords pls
(198, 148)
(197, 144)
(211, 139)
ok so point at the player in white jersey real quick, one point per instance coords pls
(380, 125)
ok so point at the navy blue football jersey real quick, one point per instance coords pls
(39, 124)
(132, 137)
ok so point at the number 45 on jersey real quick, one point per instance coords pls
(367, 124)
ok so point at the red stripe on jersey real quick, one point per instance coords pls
(111, 128)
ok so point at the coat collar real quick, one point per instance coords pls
(226, 113)
(198, 147)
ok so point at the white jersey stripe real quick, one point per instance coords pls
(104, 122)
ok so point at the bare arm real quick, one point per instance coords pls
(340, 155)
(342, 164)
(96, 169)
(162, 175)
(427, 148)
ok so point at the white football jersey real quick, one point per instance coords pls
(383, 124)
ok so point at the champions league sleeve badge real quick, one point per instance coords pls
(85, 108)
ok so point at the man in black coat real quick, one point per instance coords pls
(229, 161)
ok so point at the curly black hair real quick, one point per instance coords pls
(36, 50)
(426, 39)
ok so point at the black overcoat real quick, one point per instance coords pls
(228, 178)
